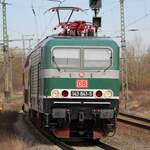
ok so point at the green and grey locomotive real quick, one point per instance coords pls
(71, 85)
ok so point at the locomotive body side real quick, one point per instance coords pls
(73, 86)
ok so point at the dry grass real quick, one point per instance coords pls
(12, 104)
(133, 132)
(8, 117)
(13, 143)
(138, 103)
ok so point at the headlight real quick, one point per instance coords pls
(55, 93)
(99, 93)
(108, 93)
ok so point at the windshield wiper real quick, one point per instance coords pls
(57, 67)
(107, 68)
(109, 65)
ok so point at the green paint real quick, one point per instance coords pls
(65, 83)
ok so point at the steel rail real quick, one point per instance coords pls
(57, 141)
(134, 120)
(52, 138)
(48, 136)
(135, 117)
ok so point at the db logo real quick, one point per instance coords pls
(81, 83)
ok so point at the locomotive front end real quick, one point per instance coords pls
(80, 86)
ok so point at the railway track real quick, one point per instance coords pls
(57, 141)
(47, 136)
(96, 144)
(134, 120)
(68, 145)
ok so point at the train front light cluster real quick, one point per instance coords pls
(108, 93)
(59, 93)
(55, 93)
(104, 93)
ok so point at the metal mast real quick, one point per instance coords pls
(124, 57)
(7, 61)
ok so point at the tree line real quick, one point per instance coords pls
(138, 66)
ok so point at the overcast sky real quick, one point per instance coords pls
(21, 20)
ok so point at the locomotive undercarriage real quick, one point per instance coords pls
(69, 120)
(81, 120)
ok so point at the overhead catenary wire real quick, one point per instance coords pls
(49, 23)
(138, 19)
(110, 9)
(134, 22)
(59, 1)
(36, 21)
(33, 11)
(51, 19)
(145, 6)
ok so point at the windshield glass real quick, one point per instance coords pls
(84, 58)
(97, 58)
(67, 57)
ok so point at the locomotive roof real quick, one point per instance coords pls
(55, 38)
(107, 40)
(80, 41)
(79, 37)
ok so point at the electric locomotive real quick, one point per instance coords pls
(71, 83)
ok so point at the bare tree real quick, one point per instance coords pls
(138, 65)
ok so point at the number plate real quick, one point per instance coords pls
(82, 83)
(81, 93)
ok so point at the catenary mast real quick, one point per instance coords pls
(7, 58)
(124, 57)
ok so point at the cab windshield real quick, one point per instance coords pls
(82, 58)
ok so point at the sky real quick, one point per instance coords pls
(22, 21)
